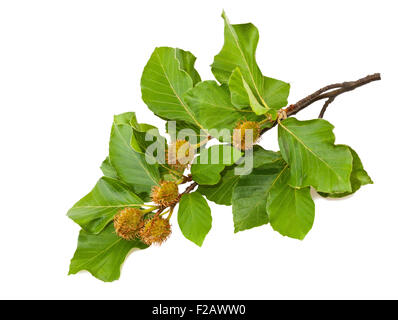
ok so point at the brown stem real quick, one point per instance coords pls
(325, 106)
(160, 210)
(186, 179)
(329, 92)
(189, 188)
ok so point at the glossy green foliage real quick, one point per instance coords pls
(97, 209)
(291, 210)
(359, 177)
(102, 254)
(194, 217)
(308, 147)
(210, 162)
(239, 50)
(130, 165)
(262, 186)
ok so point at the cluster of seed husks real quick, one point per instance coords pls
(130, 224)
(246, 134)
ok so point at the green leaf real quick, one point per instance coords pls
(102, 254)
(221, 193)
(239, 95)
(143, 135)
(108, 170)
(242, 95)
(213, 106)
(163, 84)
(131, 166)
(185, 130)
(124, 118)
(147, 140)
(97, 209)
(308, 147)
(250, 194)
(210, 162)
(187, 62)
(194, 217)
(260, 157)
(291, 211)
(239, 50)
(359, 177)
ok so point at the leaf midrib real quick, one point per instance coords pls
(175, 92)
(234, 36)
(308, 148)
(131, 149)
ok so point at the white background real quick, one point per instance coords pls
(66, 67)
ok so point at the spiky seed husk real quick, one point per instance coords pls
(180, 154)
(165, 194)
(241, 136)
(128, 222)
(155, 231)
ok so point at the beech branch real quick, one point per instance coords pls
(189, 188)
(330, 93)
(325, 106)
